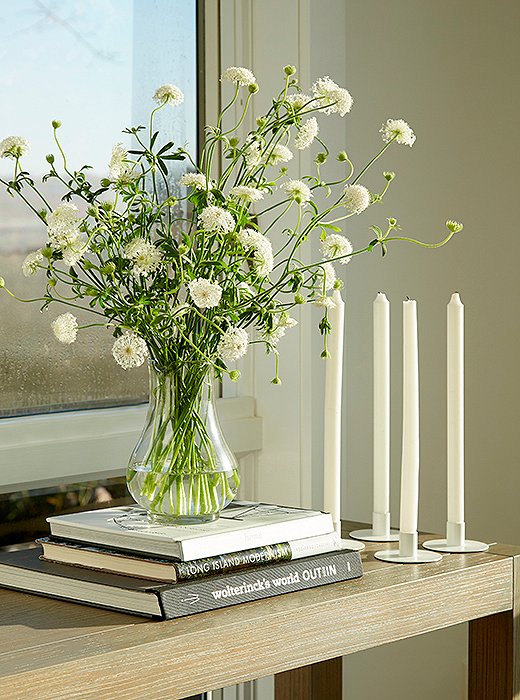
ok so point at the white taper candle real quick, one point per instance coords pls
(381, 309)
(332, 413)
(410, 446)
(455, 411)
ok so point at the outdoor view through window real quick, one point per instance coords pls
(94, 65)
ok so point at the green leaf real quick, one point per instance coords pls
(332, 228)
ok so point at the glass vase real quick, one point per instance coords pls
(182, 470)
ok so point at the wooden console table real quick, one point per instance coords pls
(53, 650)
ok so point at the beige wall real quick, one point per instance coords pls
(449, 68)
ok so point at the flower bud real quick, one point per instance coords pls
(183, 249)
(92, 211)
(56, 124)
(87, 265)
(105, 182)
(338, 284)
(43, 214)
(342, 156)
(108, 268)
(325, 355)
(289, 70)
(233, 142)
(253, 88)
(392, 222)
(261, 122)
(2, 283)
(321, 158)
(107, 206)
(49, 158)
(47, 252)
(276, 380)
(234, 375)
(389, 175)
(52, 282)
(454, 226)
(299, 299)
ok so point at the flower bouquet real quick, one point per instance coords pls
(190, 282)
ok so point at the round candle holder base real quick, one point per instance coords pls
(455, 541)
(352, 545)
(372, 536)
(445, 546)
(408, 552)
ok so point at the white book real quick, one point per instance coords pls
(242, 525)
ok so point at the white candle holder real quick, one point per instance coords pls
(408, 552)
(456, 541)
(380, 531)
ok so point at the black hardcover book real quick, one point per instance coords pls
(25, 571)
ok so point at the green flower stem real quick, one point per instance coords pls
(371, 162)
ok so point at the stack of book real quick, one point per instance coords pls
(115, 558)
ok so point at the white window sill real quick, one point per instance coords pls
(42, 450)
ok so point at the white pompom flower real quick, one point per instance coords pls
(215, 218)
(299, 100)
(62, 225)
(205, 294)
(233, 344)
(336, 246)
(253, 155)
(329, 276)
(14, 147)
(31, 264)
(262, 249)
(250, 194)
(324, 302)
(357, 198)
(332, 98)
(65, 328)
(306, 134)
(196, 180)
(279, 154)
(169, 93)
(399, 131)
(281, 322)
(74, 249)
(129, 350)
(239, 75)
(297, 190)
(118, 168)
(146, 257)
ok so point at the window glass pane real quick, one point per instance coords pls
(94, 65)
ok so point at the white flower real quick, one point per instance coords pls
(335, 246)
(299, 100)
(14, 147)
(279, 154)
(73, 249)
(306, 134)
(196, 180)
(118, 168)
(399, 130)
(65, 328)
(239, 76)
(357, 198)
(62, 225)
(129, 350)
(280, 324)
(332, 98)
(205, 294)
(261, 248)
(324, 302)
(233, 344)
(215, 218)
(31, 264)
(329, 275)
(250, 194)
(145, 256)
(253, 155)
(169, 93)
(297, 190)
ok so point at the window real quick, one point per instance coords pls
(94, 65)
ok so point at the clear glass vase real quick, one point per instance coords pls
(182, 470)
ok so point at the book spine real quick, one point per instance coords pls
(258, 556)
(254, 584)
(225, 543)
